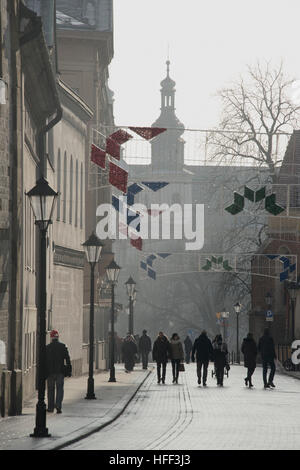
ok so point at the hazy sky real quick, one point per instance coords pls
(210, 43)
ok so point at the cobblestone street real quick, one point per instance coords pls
(188, 416)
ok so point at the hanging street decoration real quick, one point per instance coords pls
(147, 264)
(118, 177)
(114, 142)
(216, 264)
(255, 197)
(98, 156)
(155, 186)
(287, 266)
(147, 132)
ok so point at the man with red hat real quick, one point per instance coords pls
(58, 367)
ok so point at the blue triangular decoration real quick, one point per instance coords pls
(150, 259)
(134, 188)
(130, 199)
(143, 265)
(151, 273)
(292, 267)
(284, 275)
(155, 186)
(163, 255)
(285, 261)
(272, 256)
(116, 203)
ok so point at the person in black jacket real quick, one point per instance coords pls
(220, 358)
(129, 351)
(249, 350)
(58, 366)
(188, 346)
(145, 348)
(204, 352)
(267, 351)
(161, 354)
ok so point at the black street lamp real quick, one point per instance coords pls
(237, 308)
(92, 248)
(130, 286)
(292, 288)
(42, 200)
(112, 272)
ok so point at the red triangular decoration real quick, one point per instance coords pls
(138, 243)
(113, 148)
(118, 177)
(120, 136)
(148, 132)
(98, 156)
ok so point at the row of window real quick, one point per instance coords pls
(70, 188)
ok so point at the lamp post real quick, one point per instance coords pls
(130, 286)
(112, 272)
(292, 287)
(42, 200)
(237, 308)
(92, 248)
(224, 316)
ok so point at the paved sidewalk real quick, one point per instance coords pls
(79, 417)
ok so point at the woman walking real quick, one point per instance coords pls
(129, 350)
(220, 358)
(249, 350)
(177, 355)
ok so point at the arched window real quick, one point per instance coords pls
(71, 191)
(81, 195)
(58, 184)
(76, 194)
(65, 189)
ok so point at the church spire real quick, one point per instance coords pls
(168, 117)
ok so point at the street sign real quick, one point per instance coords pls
(269, 315)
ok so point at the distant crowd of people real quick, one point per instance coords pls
(133, 349)
(202, 351)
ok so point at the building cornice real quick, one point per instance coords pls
(68, 257)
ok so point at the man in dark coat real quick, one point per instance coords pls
(267, 351)
(220, 358)
(129, 350)
(204, 352)
(58, 366)
(188, 346)
(249, 350)
(145, 348)
(161, 353)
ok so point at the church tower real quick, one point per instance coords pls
(168, 148)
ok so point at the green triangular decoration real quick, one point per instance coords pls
(239, 200)
(249, 194)
(260, 194)
(207, 267)
(271, 206)
(226, 266)
(233, 209)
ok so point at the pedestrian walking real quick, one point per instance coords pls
(176, 355)
(188, 346)
(249, 349)
(145, 348)
(220, 358)
(59, 366)
(204, 352)
(138, 354)
(118, 343)
(161, 354)
(129, 351)
(267, 351)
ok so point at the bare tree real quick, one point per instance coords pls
(256, 111)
